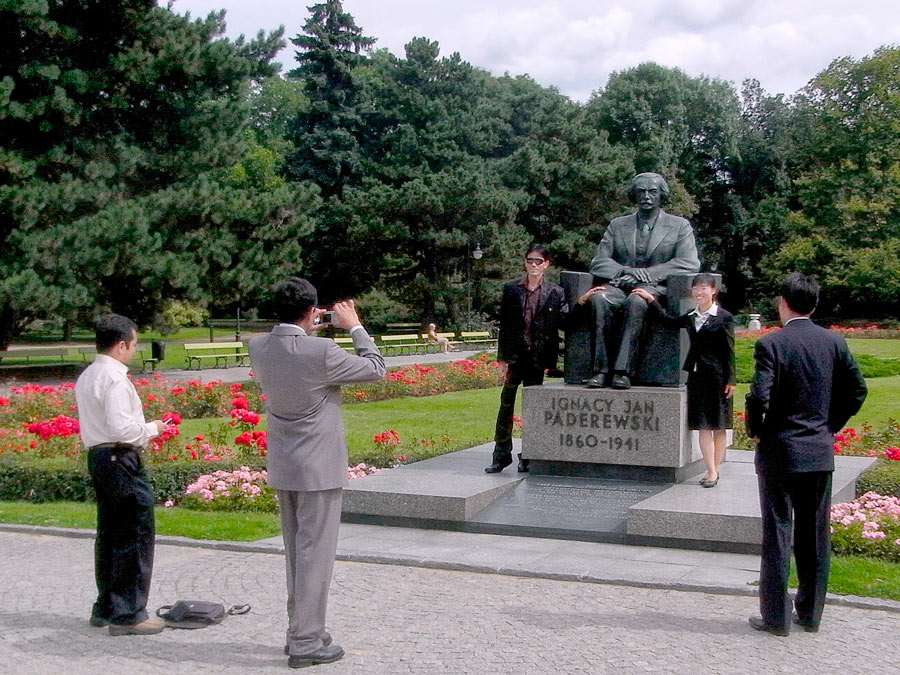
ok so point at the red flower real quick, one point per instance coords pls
(4, 400)
(244, 439)
(200, 437)
(240, 403)
(193, 454)
(236, 387)
(178, 389)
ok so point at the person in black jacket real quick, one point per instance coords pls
(806, 387)
(710, 367)
(530, 314)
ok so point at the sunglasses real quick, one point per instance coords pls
(535, 261)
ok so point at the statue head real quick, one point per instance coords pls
(637, 190)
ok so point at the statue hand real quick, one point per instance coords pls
(642, 274)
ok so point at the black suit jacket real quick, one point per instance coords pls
(807, 385)
(552, 310)
(711, 353)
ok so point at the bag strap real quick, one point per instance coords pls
(165, 608)
(238, 609)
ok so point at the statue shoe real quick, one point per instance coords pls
(621, 381)
(598, 381)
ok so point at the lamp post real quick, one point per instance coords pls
(477, 254)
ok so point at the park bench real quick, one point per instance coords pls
(345, 343)
(482, 338)
(411, 343)
(140, 355)
(22, 358)
(434, 347)
(217, 351)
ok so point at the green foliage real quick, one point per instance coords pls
(176, 314)
(883, 478)
(119, 128)
(50, 480)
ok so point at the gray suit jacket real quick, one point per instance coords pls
(671, 250)
(301, 377)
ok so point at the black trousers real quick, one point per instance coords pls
(524, 372)
(804, 500)
(123, 550)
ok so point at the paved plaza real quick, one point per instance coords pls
(394, 618)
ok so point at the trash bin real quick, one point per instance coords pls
(158, 350)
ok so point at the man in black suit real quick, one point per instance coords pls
(806, 387)
(530, 314)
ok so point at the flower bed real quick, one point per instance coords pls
(869, 525)
(427, 380)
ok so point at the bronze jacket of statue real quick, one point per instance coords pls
(671, 250)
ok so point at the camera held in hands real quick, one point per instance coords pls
(326, 318)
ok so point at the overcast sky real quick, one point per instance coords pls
(575, 44)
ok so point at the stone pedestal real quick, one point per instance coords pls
(635, 434)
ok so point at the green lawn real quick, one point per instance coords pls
(215, 525)
(887, 349)
(466, 417)
(882, 403)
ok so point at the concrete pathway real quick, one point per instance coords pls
(421, 601)
(398, 618)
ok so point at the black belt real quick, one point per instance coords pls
(114, 446)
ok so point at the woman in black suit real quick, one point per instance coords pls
(710, 367)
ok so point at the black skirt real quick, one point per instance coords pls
(707, 407)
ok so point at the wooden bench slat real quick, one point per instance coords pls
(197, 351)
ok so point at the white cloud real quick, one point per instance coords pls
(575, 44)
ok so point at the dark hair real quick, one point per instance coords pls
(705, 278)
(539, 249)
(660, 182)
(293, 298)
(112, 329)
(800, 292)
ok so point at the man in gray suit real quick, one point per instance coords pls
(637, 251)
(301, 377)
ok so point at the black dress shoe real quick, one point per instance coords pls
(326, 640)
(621, 381)
(493, 468)
(98, 621)
(756, 623)
(808, 627)
(523, 465)
(598, 381)
(328, 654)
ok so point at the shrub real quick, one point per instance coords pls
(240, 490)
(883, 478)
(176, 314)
(869, 525)
(57, 479)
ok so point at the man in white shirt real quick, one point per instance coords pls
(113, 430)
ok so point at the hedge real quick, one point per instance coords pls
(883, 478)
(52, 480)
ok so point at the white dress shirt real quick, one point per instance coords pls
(109, 409)
(701, 317)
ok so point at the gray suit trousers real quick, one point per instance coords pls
(309, 525)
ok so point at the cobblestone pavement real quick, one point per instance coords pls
(395, 619)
